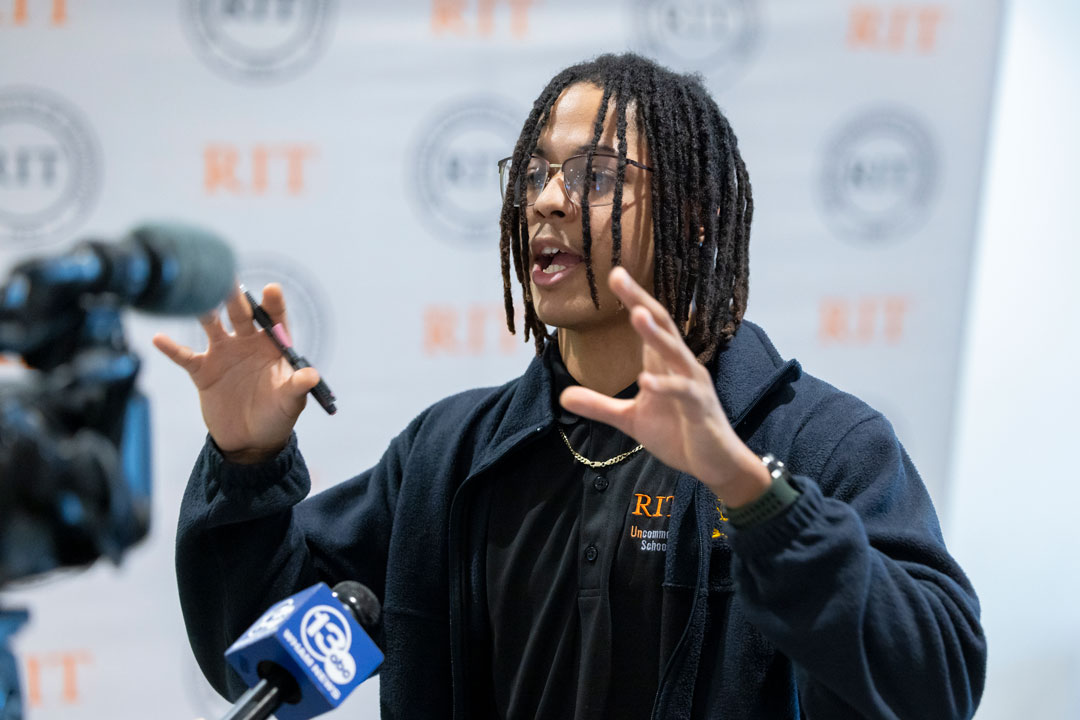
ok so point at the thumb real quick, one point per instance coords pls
(593, 405)
(301, 381)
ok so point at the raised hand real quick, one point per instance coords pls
(676, 414)
(250, 396)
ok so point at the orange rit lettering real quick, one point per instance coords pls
(643, 503)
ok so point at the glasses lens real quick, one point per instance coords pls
(536, 176)
(504, 175)
(601, 184)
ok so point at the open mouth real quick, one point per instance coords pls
(552, 260)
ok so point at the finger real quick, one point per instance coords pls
(677, 386)
(302, 381)
(591, 404)
(240, 313)
(273, 302)
(633, 295)
(179, 354)
(668, 345)
(211, 324)
(297, 387)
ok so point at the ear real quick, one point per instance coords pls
(701, 230)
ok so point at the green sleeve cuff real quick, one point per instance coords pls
(778, 498)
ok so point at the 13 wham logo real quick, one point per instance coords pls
(327, 638)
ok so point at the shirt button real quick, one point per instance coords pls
(591, 553)
(600, 483)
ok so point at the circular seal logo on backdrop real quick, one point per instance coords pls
(50, 165)
(714, 37)
(260, 40)
(879, 176)
(306, 309)
(455, 177)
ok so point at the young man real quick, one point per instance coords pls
(611, 534)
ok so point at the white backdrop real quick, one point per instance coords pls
(347, 150)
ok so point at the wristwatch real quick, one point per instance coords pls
(778, 498)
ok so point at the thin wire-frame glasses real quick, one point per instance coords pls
(539, 172)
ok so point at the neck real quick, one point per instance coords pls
(606, 359)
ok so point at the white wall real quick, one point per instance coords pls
(1014, 491)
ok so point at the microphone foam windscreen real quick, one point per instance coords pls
(195, 270)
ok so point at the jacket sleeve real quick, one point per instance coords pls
(853, 583)
(242, 545)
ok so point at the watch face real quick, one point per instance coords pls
(775, 466)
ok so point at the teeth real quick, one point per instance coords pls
(553, 268)
(549, 251)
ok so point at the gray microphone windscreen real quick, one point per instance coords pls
(194, 270)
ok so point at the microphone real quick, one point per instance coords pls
(160, 268)
(306, 654)
(361, 601)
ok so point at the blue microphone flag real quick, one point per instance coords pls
(316, 639)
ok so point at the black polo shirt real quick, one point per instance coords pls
(575, 562)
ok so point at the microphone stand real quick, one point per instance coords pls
(258, 703)
(262, 699)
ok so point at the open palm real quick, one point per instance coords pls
(250, 396)
(676, 414)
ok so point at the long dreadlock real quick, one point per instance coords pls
(701, 198)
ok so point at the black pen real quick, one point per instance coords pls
(280, 337)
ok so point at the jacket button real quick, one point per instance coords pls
(600, 483)
(591, 553)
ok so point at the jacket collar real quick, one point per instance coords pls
(745, 371)
(526, 409)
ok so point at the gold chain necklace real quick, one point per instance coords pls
(596, 463)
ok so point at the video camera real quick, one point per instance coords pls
(75, 437)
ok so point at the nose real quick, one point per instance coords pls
(553, 200)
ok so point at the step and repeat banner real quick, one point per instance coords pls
(347, 150)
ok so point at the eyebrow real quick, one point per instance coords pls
(579, 150)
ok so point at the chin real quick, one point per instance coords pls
(579, 314)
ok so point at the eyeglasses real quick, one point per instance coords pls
(537, 174)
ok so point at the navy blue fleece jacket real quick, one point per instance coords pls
(846, 605)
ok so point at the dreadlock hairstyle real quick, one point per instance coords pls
(701, 199)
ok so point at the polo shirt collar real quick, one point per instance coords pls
(562, 379)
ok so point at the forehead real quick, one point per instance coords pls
(571, 123)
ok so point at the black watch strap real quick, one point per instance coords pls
(779, 497)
